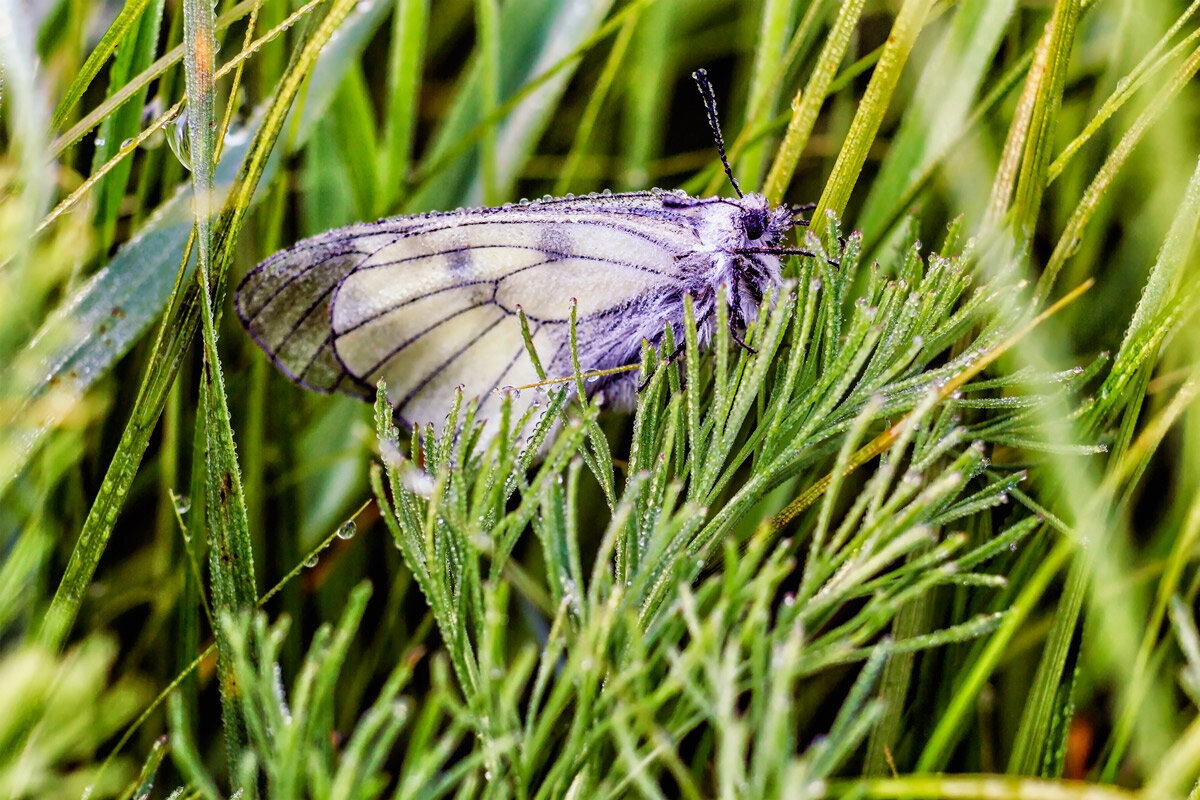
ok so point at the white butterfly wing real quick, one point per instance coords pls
(430, 303)
(284, 304)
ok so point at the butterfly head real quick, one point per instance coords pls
(762, 225)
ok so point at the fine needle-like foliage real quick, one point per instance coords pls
(928, 528)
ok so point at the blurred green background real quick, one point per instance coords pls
(158, 475)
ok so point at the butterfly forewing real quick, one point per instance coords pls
(430, 303)
(284, 304)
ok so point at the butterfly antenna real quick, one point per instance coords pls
(798, 214)
(700, 76)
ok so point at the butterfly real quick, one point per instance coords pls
(432, 302)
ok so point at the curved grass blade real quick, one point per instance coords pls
(180, 324)
(939, 112)
(871, 110)
(807, 103)
(121, 27)
(1039, 139)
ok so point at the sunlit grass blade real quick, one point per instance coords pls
(122, 27)
(807, 103)
(869, 115)
(1047, 101)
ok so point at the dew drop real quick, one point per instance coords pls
(347, 530)
(183, 503)
(311, 561)
(101, 141)
(127, 143)
(179, 142)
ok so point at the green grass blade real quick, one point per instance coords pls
(178, 328)
(532, 51)
(807, 104)
(125, 123)
(587, 123)
(870, 112)
(937, 114)
(122, 27)
(1073, 230)
(410, 24)
(778, 18)
(155, 70)
(231, 563)
(1039, 139)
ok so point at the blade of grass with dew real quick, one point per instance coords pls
(178, 143)
(778, 19)
(807, 103)
(102, 320)
(1154, 308)
(231, 558)
(901, 204)
(1098, 564)
(939, 110)
(178, 328)
(1147, 326)
(1146, 670)
(762, 123)
(1127, 87)
(869, 115)
(1031, 179)
(1073, 229)
(121, 28)
(147, 76)
(125, 123)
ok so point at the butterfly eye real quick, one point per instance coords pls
(755, 222)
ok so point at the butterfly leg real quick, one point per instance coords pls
(736, 320)
(740, 342)
(667, 361)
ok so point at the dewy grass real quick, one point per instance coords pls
(922, 537)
